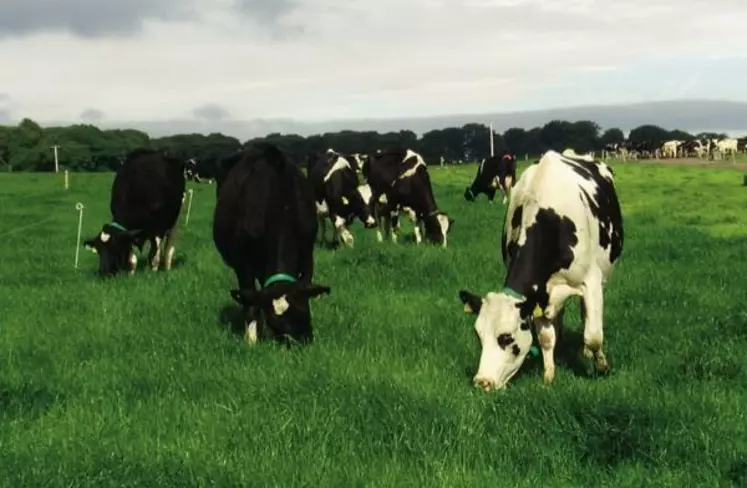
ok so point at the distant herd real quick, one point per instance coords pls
(562, 235)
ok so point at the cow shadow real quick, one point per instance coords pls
(568, 356)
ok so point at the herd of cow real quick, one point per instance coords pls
(561, 238)
(713, 149)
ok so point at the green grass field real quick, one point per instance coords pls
(136, 382)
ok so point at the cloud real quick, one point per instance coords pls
(86, 18)
(92, 116)
(212, 112)
(317, 60)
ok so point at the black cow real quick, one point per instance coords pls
(335, 185)
(146, 200)
(399, 180)
(493, 173)
(264, 229)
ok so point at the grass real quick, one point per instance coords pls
(136, 382)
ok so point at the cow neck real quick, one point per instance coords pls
(429, 208)
(525, 271)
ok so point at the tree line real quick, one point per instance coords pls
(85, 147)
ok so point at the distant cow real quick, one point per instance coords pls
(335, 184)
(399, 179)
(562, 235)
(264, 229)
(493, 173)
(194, 171)
(146, 200)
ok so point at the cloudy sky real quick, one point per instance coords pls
(222, 60)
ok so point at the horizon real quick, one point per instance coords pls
(161, 61)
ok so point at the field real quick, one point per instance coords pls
(138, 382)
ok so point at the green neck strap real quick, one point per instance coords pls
(117, 226)
(513, 293)
(277, 278)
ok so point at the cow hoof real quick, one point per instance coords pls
(601, 364)
(250, 336)
(588, 354)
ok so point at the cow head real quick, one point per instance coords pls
(280, 310)
(437, 226)
(505, 336)
(114, 248)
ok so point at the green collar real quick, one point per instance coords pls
(279, 277)
(117, 226)
(512, 293)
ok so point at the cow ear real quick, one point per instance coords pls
(311, 291)
(472, 303)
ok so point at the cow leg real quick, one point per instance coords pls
(169, 248)
(342, 232)
(547, 333)
(322, 228)
(393, 224)
(592, 306)
(132, 259)
(154, 255)
(415, 225)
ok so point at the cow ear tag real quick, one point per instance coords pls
(537, 313)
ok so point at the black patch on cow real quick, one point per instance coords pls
(548, 249)
(603, 205)
(516, 350)
(505, 340)
(509, 248)
(524, 325)
(495, 167)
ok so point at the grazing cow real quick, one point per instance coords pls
(146, 201)
(562, 236)
(494, 172)
(335, 191)
(264, 229)
(194, 171)
(399, 179)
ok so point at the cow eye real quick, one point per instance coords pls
(504, 340)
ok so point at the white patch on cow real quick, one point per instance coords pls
(412, 154)
(321, 208)
(347, 237)
(104, 237)
(251, 332)
(133, 262)
(411, 171)
(370, 221)
(382, 199)
(365, 192)
(280, 305)
(340, 163)
(169, 257)
(339, 222)
(345, 201)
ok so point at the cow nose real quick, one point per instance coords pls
(484, 383)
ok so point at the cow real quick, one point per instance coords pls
(335, 184)
(146, 201)
(670, 149)
(398, 178)
(264, 227)
(493, 173)
(723, 147)
(562, 236)
(194, 171)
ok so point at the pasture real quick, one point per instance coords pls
(137, 381)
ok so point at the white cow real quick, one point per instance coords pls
(562, 235)
(669, 149)
(724, 147)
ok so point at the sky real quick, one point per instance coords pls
(224, 60)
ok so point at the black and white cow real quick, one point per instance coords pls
(194, 171)
(493, 173)
(146, 201)
(335, 186)
(562, 236)
(264, 229)
(399, 180)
